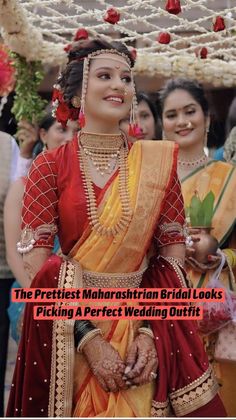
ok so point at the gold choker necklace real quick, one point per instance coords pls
(102, 149)
(89, 146)
(203, 159)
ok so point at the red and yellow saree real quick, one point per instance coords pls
(50, 378)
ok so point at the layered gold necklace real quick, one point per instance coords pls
(101, 149)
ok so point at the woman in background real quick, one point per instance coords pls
(227, 152)
(186, 121)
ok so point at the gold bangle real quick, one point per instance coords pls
(87, 338)
(147, 331)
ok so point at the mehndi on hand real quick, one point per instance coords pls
(105, 363)
(141, 361)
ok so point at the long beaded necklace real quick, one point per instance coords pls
(101, 149)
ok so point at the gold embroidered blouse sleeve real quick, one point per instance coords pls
(170, 233)
(39, 214)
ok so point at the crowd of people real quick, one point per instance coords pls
(101, 201)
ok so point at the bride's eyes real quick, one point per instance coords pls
(126, 79)
(107, 76)
(104, 76)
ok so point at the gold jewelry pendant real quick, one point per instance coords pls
(76, 102)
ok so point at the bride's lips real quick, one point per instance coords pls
(115, 99)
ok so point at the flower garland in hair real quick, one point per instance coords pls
(60, 109)
(28, 104)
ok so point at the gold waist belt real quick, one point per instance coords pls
(93, 279)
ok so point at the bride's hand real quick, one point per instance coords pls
(105, 363)
(193, 232)
(141, 361)
(214, 262)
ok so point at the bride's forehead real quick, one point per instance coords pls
(111, 60)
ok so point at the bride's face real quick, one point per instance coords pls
(110, 88)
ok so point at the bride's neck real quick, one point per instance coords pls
(101, 127)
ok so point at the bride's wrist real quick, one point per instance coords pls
(83, 329)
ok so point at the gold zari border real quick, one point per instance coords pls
(177, 270)
(161, 409)
(63, 352)
(94, 279)
(195, 395)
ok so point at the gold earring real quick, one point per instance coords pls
(76, 102)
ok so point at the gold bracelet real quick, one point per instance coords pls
(147, 331)
(87, 338)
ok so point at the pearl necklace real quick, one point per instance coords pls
(104, 142)
(193, 163)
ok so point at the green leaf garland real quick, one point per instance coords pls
(28, 105)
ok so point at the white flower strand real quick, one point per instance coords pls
(141, 21)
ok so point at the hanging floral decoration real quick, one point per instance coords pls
(173, 7)
(67, 48)
(218, 24)
(28, 104)
(81, 34)
(7, 72)
(203, 52)
(218, 68)
(164, 38)
(112, 16)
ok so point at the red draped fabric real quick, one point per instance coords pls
(29, 396)
(55, 197)
(182, 359)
